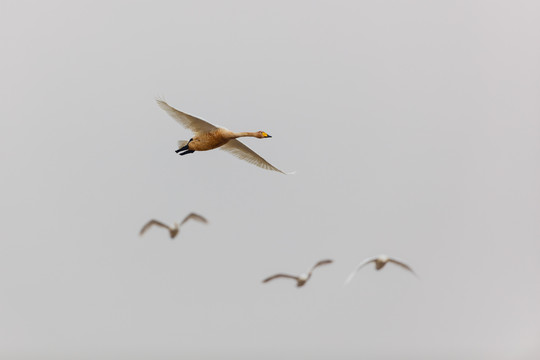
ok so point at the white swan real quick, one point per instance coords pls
(174, 229)
(300, 279)
(380, 261)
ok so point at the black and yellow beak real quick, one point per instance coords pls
(266, 135)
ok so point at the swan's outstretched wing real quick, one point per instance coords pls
(362, 264)
(191, 122)
(279, 276)
(151, 223)
(322, 262)
(241, 151)
(193, 216)
(402, 264)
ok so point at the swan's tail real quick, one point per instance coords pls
(182, 143)
(183, 146)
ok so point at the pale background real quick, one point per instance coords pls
(414, 130)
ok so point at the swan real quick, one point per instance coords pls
(207, 137)
(380, 261)
(300, 279)
(174, 229)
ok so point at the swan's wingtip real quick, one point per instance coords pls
(161, 100)
(349, 278)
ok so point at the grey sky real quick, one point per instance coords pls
(414, 130)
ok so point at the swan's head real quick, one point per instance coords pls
(262, 135)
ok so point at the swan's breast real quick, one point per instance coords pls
(209, 140)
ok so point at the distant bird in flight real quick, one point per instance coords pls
(302, 278)
(380, 261)
(175, 228)
(207, 137)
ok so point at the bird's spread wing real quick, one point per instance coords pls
(402, 264)
(241, 151)
(150, 223)
(191, 122)
(193, 216)
(280, 276)
(322, 262)
(362, 264)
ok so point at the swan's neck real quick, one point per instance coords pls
(245, 134)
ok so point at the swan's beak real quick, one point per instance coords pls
(267, 135)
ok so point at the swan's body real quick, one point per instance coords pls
(207, 137)
(174, 229)
(380, 261)
(302, 278)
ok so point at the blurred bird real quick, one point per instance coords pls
(302, 278)
(175, 228)
(208, 137)
(380, 261)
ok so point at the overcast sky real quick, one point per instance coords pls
(413, 128)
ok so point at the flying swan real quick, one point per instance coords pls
(175, 228)
(207, 137)
(380, 261)
(300, 279)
